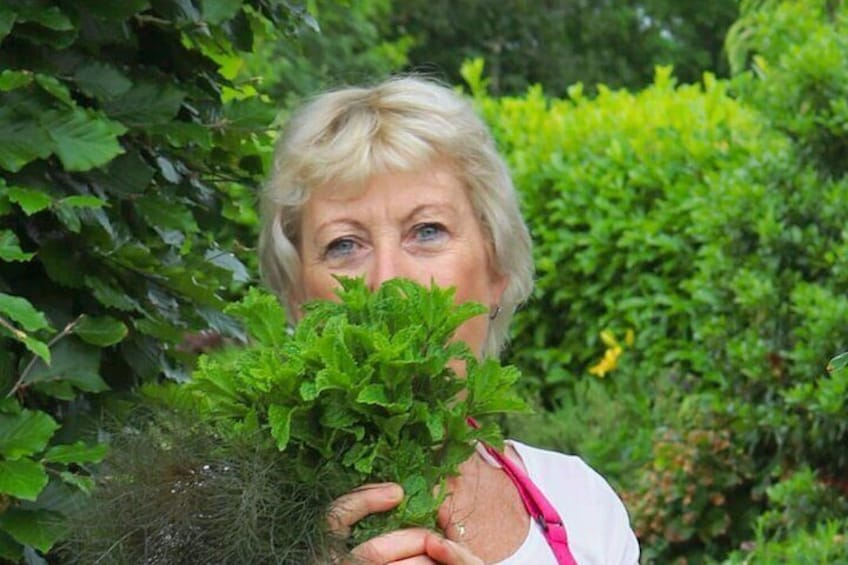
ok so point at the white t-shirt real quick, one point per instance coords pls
(595, 519)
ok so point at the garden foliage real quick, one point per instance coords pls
(362, 390)
(709, 219)
(125, 207)
(349, 47)
(558, 42)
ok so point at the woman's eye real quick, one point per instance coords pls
(340, 248)
(430, 232)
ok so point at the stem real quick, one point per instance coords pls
(15, 331)
(58, 337)
(145, 19)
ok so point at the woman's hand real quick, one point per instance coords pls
(413, 546)
(368, 499)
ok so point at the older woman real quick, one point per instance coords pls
(403, 180)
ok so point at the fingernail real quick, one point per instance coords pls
(372, 486)
(392, 491)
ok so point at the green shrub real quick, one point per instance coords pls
(125, 205)
(827, 544)
(805, 523)
(710, 220)
(796, 51)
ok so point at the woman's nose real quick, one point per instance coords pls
(387, 263)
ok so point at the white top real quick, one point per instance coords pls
(595, 519)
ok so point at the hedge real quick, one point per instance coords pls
(709, 220)
(128, 159)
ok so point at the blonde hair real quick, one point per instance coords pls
(400, 125)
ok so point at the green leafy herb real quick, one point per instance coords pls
(367, 384)
(266, 436)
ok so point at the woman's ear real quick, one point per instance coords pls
(499, 283)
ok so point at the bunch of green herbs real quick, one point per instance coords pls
(363, 389)
(366, 385)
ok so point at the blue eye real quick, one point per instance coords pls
(429, 232)
(341, 247)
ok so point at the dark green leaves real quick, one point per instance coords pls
(102, 81)
(118, 158)
(74, 363)
(216, 11)
(25, 433)
(39, 529)
(103, 331)
(22, 311)
(10, 249)
(145, 103)
(21, 141)
(81, 139)
(75, 453)
(22, 478)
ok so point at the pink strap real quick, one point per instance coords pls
(537, 505)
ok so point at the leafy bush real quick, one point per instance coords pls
(118, 161)
(350, 47)
(710, 220)
(799, 78)
(806, 523)
(828, 543)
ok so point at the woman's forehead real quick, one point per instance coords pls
(427, 183)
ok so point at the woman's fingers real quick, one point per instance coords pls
(449, 552)
(413, 546)
(417, 560)
(401, 546)
(347, 510)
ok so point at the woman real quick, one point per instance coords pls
(403, 180)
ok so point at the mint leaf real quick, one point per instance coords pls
(279, 418)
(362, 388)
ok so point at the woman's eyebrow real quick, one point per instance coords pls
(333, 222)
(431, 209)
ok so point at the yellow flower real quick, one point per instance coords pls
(613, 351)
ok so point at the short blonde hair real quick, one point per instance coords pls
(400, 125)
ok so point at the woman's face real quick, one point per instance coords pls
(419, 226)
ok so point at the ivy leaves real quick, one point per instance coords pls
(363, 384)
